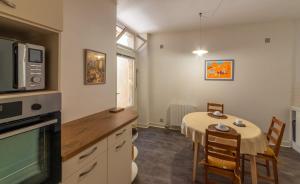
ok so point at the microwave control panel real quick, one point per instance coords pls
(35, 67)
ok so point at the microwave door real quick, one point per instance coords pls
(7, 69)
(20, 66)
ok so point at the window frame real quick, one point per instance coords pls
(120, 27)
(135, 37)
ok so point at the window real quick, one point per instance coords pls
(127, 40)
(128, 43)
(140, 42)
(119, 30)
(125, 82)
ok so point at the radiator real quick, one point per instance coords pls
(176, 112)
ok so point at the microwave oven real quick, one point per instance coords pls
(22, 66)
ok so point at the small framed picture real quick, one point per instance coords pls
(95, 67)
(219, 69)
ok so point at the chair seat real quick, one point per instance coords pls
(223, 164)
(269, 152)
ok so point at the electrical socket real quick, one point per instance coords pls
(267, 40)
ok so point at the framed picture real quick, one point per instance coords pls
(219, 69)
(95, 67)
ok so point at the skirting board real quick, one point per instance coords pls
(296, 147)
(151, 124)
(157, 125)
(143, 125)
(287, 144)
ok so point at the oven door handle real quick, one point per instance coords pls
(27, 129)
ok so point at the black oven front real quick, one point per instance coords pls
(30, 140)
(30, 150)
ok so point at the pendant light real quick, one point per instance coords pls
(200, 51)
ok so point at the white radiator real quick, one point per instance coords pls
(176, 112)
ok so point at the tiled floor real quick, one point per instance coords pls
(165, 157)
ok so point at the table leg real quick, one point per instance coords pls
(253, 169)
(195, 162)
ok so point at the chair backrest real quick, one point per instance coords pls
(212, 107)
(275, 134)
(224, 146)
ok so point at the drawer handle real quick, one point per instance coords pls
(9, 3)
(88, 171)
(120, 146)
(88, 154)
(123, 131)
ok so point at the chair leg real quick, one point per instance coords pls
(234, 181)
(237, 181)
(268, 168)
(243, 168)
(205, 175)
(275, 171)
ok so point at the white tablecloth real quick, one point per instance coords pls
(253, 141)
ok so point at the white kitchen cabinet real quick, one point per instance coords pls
(77, 162)
(120, 156)
(107, 162)
(94, 172)
(47, 13)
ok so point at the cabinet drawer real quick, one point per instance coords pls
(118, 137)
(119, 163)
(47, 13)
(94, 172)
(75, 163)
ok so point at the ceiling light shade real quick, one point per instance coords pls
(200, 52)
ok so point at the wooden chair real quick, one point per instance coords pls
(212, 107)
(274, 137)
(221, 158)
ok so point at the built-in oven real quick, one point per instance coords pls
(30, 142)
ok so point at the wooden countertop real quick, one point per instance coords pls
(80, 134)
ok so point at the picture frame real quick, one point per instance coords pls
(94, 67)
(220, 70)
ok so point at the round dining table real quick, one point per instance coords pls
(253, 140)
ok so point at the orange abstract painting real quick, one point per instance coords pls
(219, 69)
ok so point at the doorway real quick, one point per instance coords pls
(125, 82)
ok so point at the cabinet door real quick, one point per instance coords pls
(47, 13)
(95, 172)
(77, 162)
(119, 162)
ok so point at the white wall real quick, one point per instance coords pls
(297, 67)
(143, 85)
(88, 24)
(263, 72)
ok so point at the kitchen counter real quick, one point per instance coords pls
(80, 134)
